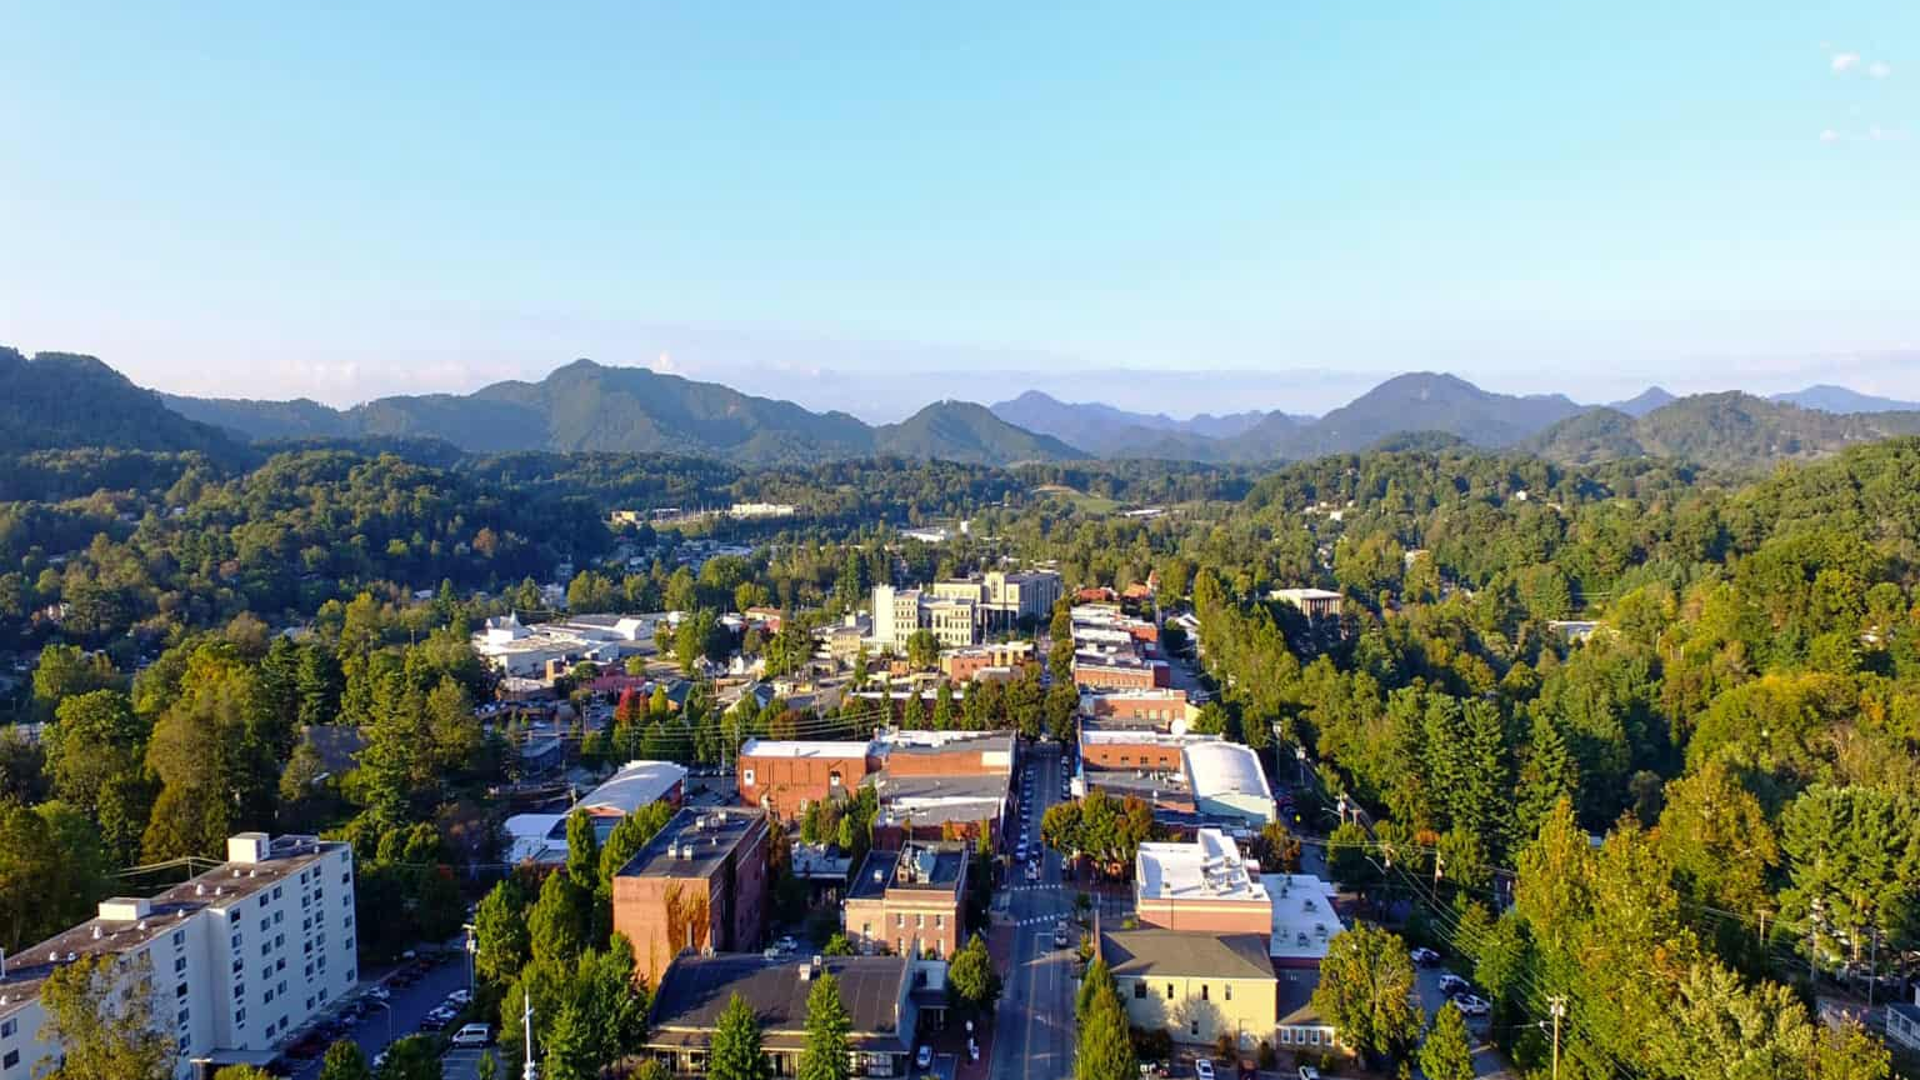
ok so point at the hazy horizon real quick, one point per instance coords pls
(1258, 207)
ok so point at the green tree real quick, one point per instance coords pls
(412, 1057)
(735, 1050)
(1104, 1046)
(344, 1061)
(825, 1057)
(502, 943)
(975, 985)
(557, 923)
(243, 1072)
(1447, 1053)
(95, 741)
(923, 650)
(1365, 991)
(102, 1034)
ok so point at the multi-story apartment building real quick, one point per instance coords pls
(955, 623)
(237, 958)
(1001, 598)
(896, 614)
(915, 897)
(700, 883)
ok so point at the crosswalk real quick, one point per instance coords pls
(1032, 887)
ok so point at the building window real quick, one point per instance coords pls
(179, 938)
(276, 892)
(180, 991)
(266, 925)
(8, 1027)
(236, 943)
(240, 1018)
(262, 902)
(233, 917)
(179, 964)
(920, 921)
(1169, 991)
(1228, 989)
(185, 1015)
(746, 777)
(1140, 990)
(1203, 991)
(1314, 1036)
(939, 922)
(1193, 1027)
(12, 1059)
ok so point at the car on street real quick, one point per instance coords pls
(924, 1059)
(459, 998)
(379, 993)
(1060, 936)
(473, 1035)
(1033, 872)
(1424, 956)
(1471, 1004)
(1308, 1072)
(1203, 1069)
(1451, 984)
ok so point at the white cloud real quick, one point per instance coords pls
(1845, 61)
(1830, 135)
(1879, 69)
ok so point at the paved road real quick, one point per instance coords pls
(408, 1006)
(1487, 1061)
(1034, 1026)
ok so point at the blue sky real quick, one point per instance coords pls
(870, 205)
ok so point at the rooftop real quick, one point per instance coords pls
(919, 867)
(931, 800)
(944, 742)
(1224, 768)
(125, 923)
(634, 786)
(695, 990)
(794, 748)
(1304, 919)
(1209, 868)
(694, 842)
(1296, 999)
(1141, 953)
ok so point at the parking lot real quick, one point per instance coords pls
(401, 1014)
(464, 1064)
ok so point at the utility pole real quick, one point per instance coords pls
(528, 1071)
(1557, 1007)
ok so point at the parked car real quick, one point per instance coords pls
(473, 1035)
(1203, 1069)
(1308, 1072)
(459, 997)
(379, 993)
(923, 1059)
(1424, 956)
(1472, 1005)
(1451, 984)
(1060, 936)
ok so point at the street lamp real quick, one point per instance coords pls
(472, 947)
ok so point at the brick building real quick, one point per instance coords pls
(1206, 885)
(962, 665)
(784, 775)
(700, 883)
(913, 897)
(1157, 708)
(1119, 671)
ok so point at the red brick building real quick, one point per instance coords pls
(1119, 672)
(784, 776)
(912, 898)
(700, 883)
(1160, 709)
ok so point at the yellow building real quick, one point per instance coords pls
(1195, 986)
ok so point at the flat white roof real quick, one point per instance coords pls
(799, 748)
(1209, 868)
(1304, 919)
(1225, 768)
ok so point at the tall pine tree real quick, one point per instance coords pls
(825, 1057)
(735, 1052)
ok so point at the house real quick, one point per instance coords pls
(909, 901)
(884, 997)
(701, 883)
(1195, 986)
(1228, 784)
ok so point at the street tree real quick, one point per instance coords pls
(103, 1034)
(1365, 991)
(1447, 1053)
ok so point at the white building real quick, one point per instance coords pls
(522, 651)
(1228, 784)
(239, 958)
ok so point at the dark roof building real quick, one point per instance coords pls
(878, 992)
